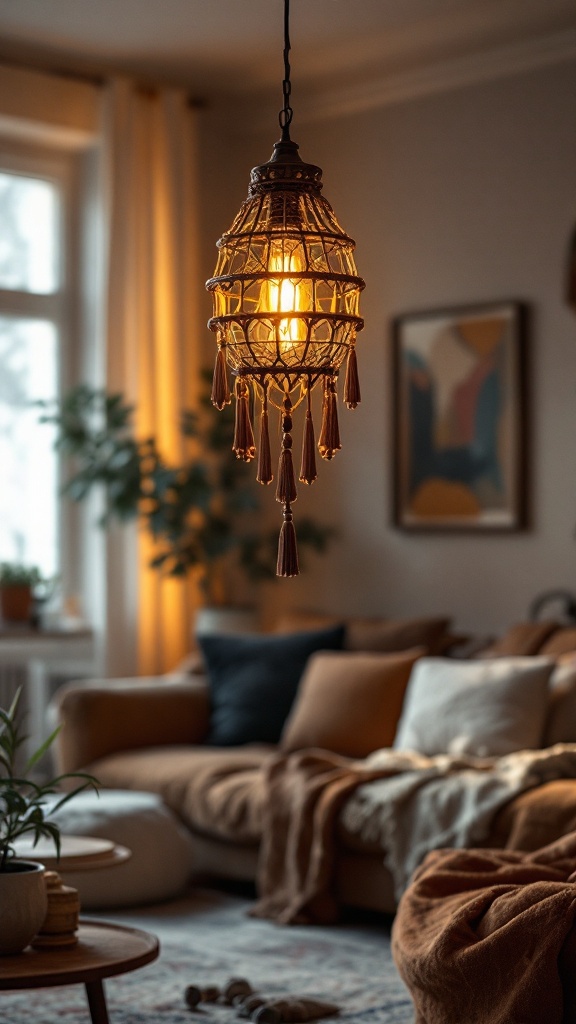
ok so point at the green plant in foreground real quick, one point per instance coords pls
(22, 801)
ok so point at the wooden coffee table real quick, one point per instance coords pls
(103, 950)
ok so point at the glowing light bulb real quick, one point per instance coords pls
(288, 295)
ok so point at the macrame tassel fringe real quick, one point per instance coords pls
(329, 442)
(220, 388)
(264, 474)
(308, 472)
(352, 382)
(286, 487)
(287, 564)
(243, 444)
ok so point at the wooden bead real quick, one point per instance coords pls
(194, 995)
(236, 987)
(61, 921)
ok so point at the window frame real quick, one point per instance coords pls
(63, 307)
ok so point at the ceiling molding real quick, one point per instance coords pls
(499, 62)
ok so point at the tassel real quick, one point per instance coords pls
(287, 564)
(352, 382)
(220, 389)
(243, 444)
(329, 442)
(286, 488)
(264, 474)
(308, 472)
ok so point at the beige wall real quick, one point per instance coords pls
(460, 197)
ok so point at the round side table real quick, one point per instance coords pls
(103, 950)
(77, 853)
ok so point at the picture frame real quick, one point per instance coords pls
(459, 407)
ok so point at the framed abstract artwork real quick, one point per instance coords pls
(459, 414)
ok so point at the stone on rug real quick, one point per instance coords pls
(207, 937)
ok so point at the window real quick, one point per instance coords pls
(36, 312)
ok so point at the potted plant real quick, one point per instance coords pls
(17, 583)
(23, 812)
(201, 513)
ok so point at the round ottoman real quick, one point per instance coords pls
(161, 861)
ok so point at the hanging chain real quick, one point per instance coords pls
(285, 115)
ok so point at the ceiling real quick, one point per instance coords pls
(219, 47)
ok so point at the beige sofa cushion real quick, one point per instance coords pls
(521, 639)
(215, 791)
(396, 634)
(561, 721)
(563, 641)
(102, 716)
(374, 634)
(349, 702)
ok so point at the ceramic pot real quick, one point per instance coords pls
(16, 602)
(23, 904)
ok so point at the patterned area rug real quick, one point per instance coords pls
(207, 938)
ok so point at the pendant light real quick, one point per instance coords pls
(286, 314)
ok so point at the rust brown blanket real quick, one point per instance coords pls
(305, 792)
(420, 804)
(489, 937)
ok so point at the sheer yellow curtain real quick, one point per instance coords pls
(153, 337)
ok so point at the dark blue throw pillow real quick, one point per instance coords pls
(253, 681)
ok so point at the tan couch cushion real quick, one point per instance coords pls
(521, 639)
(215, 791)
(349, 702)
(396, 634)
(536, 817)
(296, 621)
(561, 721)
(563, 641)
(103, 716)
(374, 634)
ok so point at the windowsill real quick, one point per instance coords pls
(17, 631)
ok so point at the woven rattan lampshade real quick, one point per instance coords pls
(286, 314)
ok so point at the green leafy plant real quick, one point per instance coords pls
(13, 574)
(23, 808)
(201, 513)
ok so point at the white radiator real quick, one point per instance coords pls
(12, 677)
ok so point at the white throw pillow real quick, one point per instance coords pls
(485, 708)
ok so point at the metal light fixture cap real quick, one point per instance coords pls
(285, 171)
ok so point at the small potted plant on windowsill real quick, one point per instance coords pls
(23, 812)
(17, 583)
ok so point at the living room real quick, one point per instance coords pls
(458, 192)
(446, 137)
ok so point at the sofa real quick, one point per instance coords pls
(388, 714)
